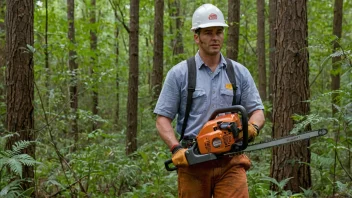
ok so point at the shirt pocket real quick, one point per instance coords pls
(226, 97)
(199, 100)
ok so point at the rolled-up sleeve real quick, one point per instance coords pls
(169, 98)
(250, 98)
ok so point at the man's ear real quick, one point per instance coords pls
(196, 38)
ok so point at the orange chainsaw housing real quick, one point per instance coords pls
(215, 139)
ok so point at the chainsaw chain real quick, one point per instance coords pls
(320, 132)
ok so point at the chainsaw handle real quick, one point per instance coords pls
(168, 168)
(244, 119)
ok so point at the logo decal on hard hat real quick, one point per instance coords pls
(212, 16)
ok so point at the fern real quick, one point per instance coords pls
(14, 159)
(13, 189)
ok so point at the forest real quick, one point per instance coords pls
(79, 80)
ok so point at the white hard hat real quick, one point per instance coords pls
(207, 15)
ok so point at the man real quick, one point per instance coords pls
(224, 177)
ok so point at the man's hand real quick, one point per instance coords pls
(179, 157)
(253, 131)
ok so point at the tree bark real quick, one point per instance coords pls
(20, 78)
(2, 65)
(291, 90)
(272, 49)
(336, 61)
(233, 34)
(157, 75)
(132, 104)
(73, 66)
(261, 48)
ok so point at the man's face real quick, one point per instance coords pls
(210, 40)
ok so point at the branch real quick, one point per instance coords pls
(67, 187)
(121, 19)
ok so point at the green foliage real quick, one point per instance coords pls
(99, 166)
(14, 159)
(11, 165)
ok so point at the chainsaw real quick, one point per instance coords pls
(221, 136)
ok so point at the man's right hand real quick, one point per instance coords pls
(179, 157)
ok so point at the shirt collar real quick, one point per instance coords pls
(200, 62)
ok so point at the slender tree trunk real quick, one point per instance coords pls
(2, 64)
(46, 54)
(176, 27)
(291, 91)
(20, 78)
(261, 48)
(234, 29)
(73, 66)
(336, 61)
(93, 47)
(117, 32)
(157, 75)
(335, 73)
(272, 48)
(132, 104)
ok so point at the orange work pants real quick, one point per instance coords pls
(221, 178)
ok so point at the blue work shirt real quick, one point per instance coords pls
(213, 90)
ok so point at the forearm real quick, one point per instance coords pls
(257, 117)
(165, 130)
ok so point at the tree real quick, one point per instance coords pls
(157, 75)
(272, 38)
(93, 47)
(336, 60)
(132, 102)
(291, 91)
(233, 34)
(118, 18)
(73, 66)
(336, 69)
(2, 62)
(176, 25)
(261, 48)
(20, 78)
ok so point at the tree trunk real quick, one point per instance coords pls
(234, 29)
(132, 104)
(93, 47)
(336, 60)
(176, 26)
(2, 65)
(335, 73)
(261, 48)
(157, 75)
(46, 54)
(291, 90)
(73, 66)
(117, 32)
(272, 38)
(20, 78)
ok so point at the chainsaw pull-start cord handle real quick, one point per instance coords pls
(244, 120)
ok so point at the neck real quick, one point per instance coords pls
(212, 61)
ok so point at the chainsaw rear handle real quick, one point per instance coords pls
(167, 165)
(244, 119)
